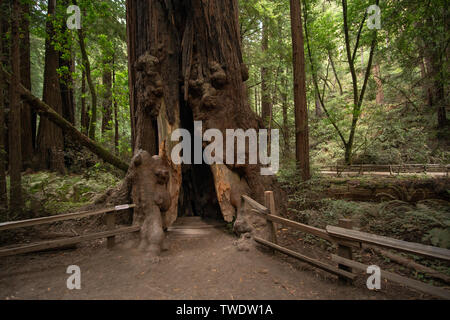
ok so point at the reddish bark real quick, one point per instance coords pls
(185, 64)
(301, 107)
(15, 150)
(28, 118)
(50, 140)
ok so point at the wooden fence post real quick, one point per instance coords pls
(344, 251)
(111, 223)
(270, 204)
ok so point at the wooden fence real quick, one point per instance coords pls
(391, 169)
(346, 240)
(54, 244)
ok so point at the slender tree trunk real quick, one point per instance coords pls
(91, 85)
(87, 67)
(67, 62)
(379, 82)
(28, 138)
(107, 99)
(319, 110)
(84, 106)
(440, 99)
(266, 104)
(257, 101)
(358, 97)
(50, 140)
(116, 114)
(301, 108)
(427, 90)
(330, 57)
(435, 64)
(67, 92)
(15, 150)
(284, 106)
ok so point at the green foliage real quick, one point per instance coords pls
(402, 128)
(49, 193)
(104, 26)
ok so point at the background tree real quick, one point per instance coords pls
(3, 93)
(301, 107)
(15, 150)
(50, 139)
(28, 119)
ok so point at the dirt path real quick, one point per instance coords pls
(194, 268)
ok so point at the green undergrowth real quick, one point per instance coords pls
(385, 135)
(48, 193)
(424, 221)
(397, 216)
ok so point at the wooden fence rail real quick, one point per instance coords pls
(392, 169)
(414, 284)
(347, 239)
(409, 247)
(54, 244)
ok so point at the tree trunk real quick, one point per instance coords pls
(67, 92)
(116, 115)
(301, 108)
(107, 99)
(87, 68)
(15, 150)
(84, 107)
(358, 96)
(319, 110)
(27, 118)
(435, 63)
(185, 64)
(266, 104)
(379, 82)
(3, 153)
(67, 62)
(330, 57)
(50, 140)
(284, 106)
(47, 112)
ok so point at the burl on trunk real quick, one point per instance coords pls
(149, 177)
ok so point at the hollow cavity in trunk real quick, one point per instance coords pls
(198, 196)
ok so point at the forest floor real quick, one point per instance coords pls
(209, 267)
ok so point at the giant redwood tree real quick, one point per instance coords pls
(185, 65)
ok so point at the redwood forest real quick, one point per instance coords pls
(224, 150)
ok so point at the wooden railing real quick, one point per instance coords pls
(346, 240)
(391, 169)
(54, 244)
